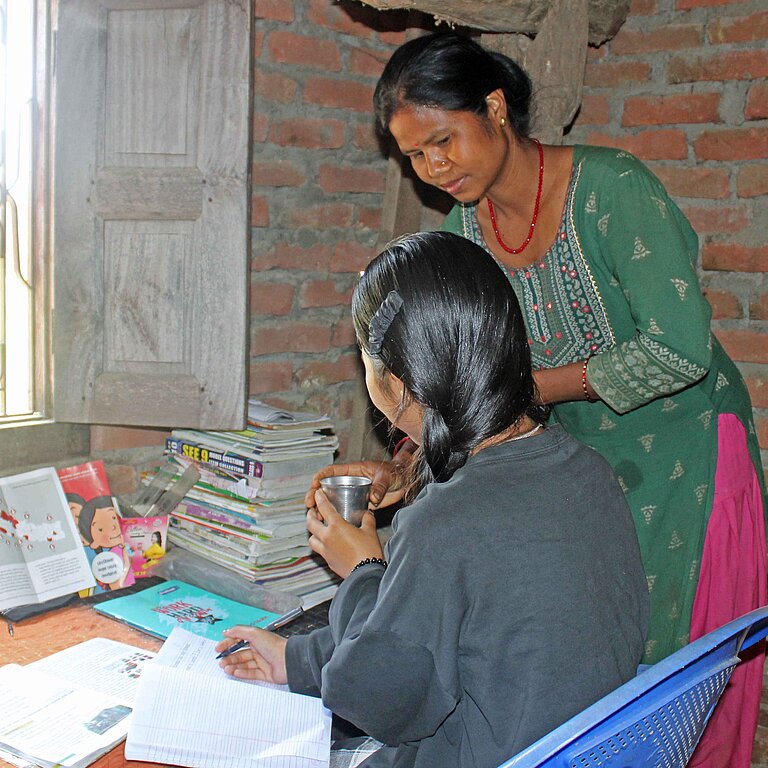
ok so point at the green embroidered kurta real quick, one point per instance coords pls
(620, 284)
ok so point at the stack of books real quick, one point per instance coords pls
(247, 511)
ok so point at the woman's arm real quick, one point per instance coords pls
(566, 382)
(650, 250)
(387, 479)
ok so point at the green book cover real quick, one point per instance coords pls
(157, 610)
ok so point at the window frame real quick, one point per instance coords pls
(35, 439)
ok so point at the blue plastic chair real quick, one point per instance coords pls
(656, 719)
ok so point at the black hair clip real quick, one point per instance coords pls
(381, 321)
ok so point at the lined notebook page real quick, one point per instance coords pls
(193, 653)
(184, 718)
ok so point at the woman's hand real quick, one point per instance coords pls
(262, 659)
(386, 480)
(339, 543)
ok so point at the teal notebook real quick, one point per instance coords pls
(157, 610)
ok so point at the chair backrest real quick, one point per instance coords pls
(654, 720)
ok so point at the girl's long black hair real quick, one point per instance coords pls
(454, 73)
(458, 343)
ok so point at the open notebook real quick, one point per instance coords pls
(188, 711)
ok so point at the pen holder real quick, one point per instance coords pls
(349, 494)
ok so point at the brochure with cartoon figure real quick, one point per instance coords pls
(41, 556)
(98, 521)
(158, 609)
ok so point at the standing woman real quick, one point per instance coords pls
(604, 266)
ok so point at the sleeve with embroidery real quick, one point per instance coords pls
(652, 250)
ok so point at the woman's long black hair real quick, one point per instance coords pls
(458, 342)
(454, 73)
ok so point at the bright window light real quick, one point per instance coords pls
(17, 83)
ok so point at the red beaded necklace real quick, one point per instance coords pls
(535, 208)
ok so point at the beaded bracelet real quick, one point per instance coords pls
(584, 380)
(376, 560)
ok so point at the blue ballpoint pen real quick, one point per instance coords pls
(278, 622)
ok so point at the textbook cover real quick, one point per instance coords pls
(157, 610)
(98, 521)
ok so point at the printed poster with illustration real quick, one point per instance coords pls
(41, 556)
(146, 538)
(97, 519)
(157, 610)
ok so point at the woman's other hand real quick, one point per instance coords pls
(341, 544)
(386, 480)
(263, 658)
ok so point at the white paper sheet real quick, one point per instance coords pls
(191, 713)
(71, 706)
(192, 653)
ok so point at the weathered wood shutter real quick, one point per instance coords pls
(150, 212)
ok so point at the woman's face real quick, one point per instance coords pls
(457, 152)
(386, 395)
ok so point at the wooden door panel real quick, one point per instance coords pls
(151, 261)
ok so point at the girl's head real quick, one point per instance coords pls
(76, 503)
(444, 346)
(98, 523)
(451, 72)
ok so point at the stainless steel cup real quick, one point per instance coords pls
(349, 494)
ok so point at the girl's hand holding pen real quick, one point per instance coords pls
(262, 659)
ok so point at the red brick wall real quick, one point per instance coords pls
(317, 191)
(684, 85)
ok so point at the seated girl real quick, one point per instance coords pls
(510, 595)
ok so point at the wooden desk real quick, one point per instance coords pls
(55, 630)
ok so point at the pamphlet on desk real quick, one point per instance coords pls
(43, 557)
(157, 610)
(97, 519)
(71, 707)
(189, 712)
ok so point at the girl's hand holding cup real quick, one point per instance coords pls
(340, 543)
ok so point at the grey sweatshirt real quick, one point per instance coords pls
(514, 598)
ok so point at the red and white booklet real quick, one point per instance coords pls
(98, 521)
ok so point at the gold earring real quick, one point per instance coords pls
(503, 121)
